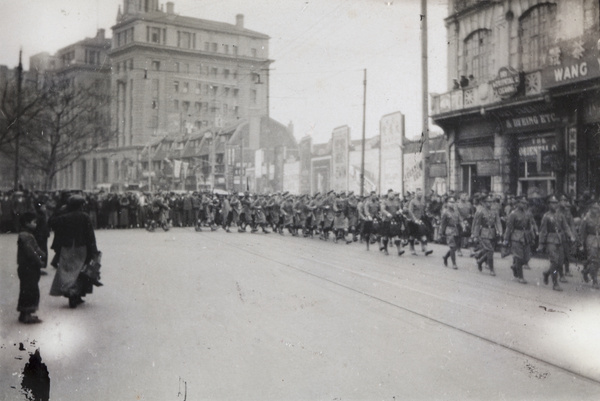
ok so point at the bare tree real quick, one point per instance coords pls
(73, 122)
(32, 102)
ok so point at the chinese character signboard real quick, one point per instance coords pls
(572, 61)
(341, 143)
(391, 128)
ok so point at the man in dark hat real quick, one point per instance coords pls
(552, 233)
(487, 228)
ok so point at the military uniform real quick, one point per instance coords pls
(589, 235)
(519, 234)
(487, 227)
(552, 237)
(370, 210)
(449, 227)
(416, 226)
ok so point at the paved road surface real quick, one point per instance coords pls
(216, 316)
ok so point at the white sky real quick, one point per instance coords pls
(320, 49)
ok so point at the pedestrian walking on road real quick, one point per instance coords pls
(77, 246)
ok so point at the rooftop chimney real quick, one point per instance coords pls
(170, 7)
(239, 20)
(100, 34)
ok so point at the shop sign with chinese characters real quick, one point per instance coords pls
(572, 61)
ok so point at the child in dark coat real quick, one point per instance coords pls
(30, 259)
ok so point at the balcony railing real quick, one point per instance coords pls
(479, 95)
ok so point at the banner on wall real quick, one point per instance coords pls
(413, 171)
(340, 161)
(391, 129)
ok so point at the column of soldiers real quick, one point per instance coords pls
(566, 232)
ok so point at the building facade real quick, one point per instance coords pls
(183, 90)
(85, 67)
(522, 111)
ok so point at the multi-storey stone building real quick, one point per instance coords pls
(522, 114)
(186, 92)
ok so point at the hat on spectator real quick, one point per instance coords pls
(75, 202)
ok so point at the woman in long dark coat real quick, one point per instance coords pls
(76, 241)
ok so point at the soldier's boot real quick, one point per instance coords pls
(367, 240)
(545, 276)
(453, 258)
(398, 244)
(491, 266)
(411, 242)
(555, 285)
(480, 261)
(445, 259)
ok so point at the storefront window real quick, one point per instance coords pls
(472, 183)
(536, 179)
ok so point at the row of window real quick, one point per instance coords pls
(209, 89)
(201, 69)
(203, 107)
(185, 40)
(537, 30)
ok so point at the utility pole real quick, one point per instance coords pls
(18, 121)
(212, 159)
(362, 156)
(425, 100)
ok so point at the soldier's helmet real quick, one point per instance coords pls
(521, 199)
(552, 199)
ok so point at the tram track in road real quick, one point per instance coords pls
(300, 258)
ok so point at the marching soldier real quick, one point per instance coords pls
(519, 236)
(352, 215)
(486, 228)
(449, 227)
(287, 211)
(589, 234)
(564, 208)
(552, 231)
(465, 210)
(260, 219)
(328, 215)
(339, 220)
(416, 226)
(370, 210)
(390, 211)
